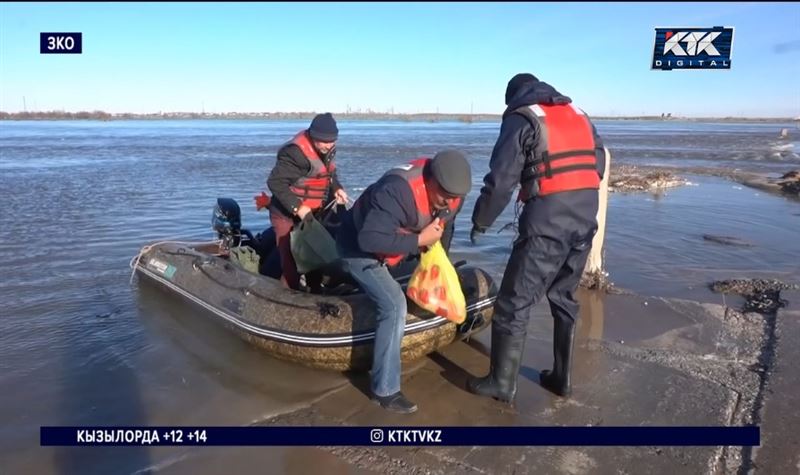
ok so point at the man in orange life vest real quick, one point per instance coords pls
(301, 182)
(551, 148)
(409, 208)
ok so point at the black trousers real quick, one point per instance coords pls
(548, 259)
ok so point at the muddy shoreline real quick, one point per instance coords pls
(640, 361)
(631, 179)
(657, 179)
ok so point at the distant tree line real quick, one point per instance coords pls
(56, 115)
(419, 117)
(101, 115)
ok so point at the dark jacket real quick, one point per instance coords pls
(290, 166)
(371, 225)
(508, 159)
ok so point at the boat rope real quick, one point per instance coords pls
(514, 224)
(321, 341)
(249, 291)
(199, 264)
(144, 250)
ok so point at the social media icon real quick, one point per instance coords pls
(376, 436)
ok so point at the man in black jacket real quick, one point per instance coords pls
(301, 182)
(407, 209)
(550, 148)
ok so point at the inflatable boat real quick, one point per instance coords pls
(332, 328)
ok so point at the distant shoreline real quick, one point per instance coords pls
(278, 116)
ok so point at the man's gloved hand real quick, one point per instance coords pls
(473, 235)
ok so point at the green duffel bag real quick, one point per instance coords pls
(313, 247)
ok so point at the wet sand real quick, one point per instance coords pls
(639, 362)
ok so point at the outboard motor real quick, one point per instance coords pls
(227, 222)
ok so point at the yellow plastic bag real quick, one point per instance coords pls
(435, 287)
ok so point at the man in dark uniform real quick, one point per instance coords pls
(303, 181)
(551, 149)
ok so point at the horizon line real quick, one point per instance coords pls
(311, 114)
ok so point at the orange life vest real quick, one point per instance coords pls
(569, 162)
(312, 189)
(412, 174)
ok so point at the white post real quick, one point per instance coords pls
(595, 261)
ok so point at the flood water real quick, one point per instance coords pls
(81, 345)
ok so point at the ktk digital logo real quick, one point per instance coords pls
(693, 48)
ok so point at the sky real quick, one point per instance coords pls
(400, 57)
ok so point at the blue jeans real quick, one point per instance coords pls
(390, 301)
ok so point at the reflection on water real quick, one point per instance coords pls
(79, 345)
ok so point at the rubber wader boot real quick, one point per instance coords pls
(501, 382)
(557, 380)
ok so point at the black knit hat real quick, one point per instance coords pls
(323, 128)
(452, 171)
(516, 82)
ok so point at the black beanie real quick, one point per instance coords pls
(323, 128)
(516, 82)
(452, 171)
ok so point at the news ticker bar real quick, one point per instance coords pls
(444, 436)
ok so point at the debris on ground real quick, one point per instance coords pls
(762, 295)
(597, 280)
(790, 182)
(628, 178)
